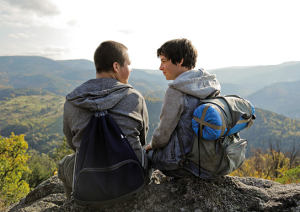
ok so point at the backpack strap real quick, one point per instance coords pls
(101, 113)
(250, 121)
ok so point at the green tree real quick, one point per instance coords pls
(41, 168)
(63, 150)
(290, 176)
(13, 159)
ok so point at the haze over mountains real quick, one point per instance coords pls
(254, 78)
(61, 77)
(274, 88)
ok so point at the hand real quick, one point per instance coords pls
(148, 147)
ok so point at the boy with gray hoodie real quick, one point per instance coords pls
(109, 91)
(178, 58)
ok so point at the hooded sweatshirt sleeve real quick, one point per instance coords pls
(171, 111)
(145, 129)
(67, 130)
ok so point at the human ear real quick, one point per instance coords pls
(179, 64)
(116, 67)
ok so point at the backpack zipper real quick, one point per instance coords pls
(108, 169)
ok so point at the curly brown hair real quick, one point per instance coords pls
(179, 49)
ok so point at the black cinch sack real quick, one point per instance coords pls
(107, 169)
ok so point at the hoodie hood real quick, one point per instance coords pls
(198, 83)
(96, 94)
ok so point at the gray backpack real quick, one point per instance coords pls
(225, 151)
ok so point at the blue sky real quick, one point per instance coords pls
(225, 33)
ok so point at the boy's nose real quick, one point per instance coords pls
(160, 67)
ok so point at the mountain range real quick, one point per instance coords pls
(271, 88)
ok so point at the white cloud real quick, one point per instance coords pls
(50, 51)
(225, 33)
(73, 23)
(26, 13)
(22, 35)
(44, 8)
(126, 31)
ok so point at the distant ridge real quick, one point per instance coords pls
(281, 98)
(254, 66)
(79, 63)
(288, 71)
(61, 77)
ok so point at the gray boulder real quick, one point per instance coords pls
(191, 194)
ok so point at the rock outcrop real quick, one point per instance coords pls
(192, 194)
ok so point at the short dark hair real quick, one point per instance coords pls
(107, 53)
(179, 49)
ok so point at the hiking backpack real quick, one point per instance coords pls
(106, 168)
(217, 147)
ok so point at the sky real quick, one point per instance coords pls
(225, 33)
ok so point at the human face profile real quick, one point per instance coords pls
(124, 71)
(170, 70)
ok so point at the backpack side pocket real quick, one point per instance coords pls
(235, 153)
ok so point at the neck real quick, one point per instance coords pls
(105, 75)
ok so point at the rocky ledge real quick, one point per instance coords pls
(192, 194)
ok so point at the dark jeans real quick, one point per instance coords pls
(177, 173)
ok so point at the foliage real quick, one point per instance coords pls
(13, 159)
(39, 117)
(143, 85)
(270, 125)
(269, 165)
(42, 73)
(9, 93)
(154, 95)
(154, 108)
(41, 168)
(61, 151)
(17, 128)
(290, 176)
(272, 164)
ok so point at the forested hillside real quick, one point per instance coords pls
(271, 127)
(35, 113)
(32, 94)
(61, 77)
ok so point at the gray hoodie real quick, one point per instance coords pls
(197, 83)
(124, 104)
(181, 99)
